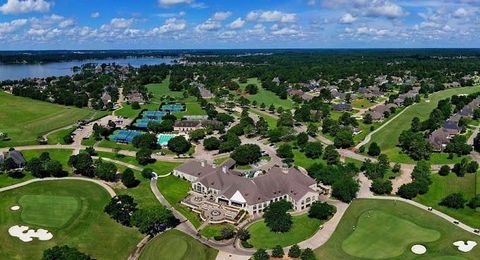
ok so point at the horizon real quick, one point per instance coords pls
(267, 24)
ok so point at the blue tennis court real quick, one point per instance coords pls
(124, 136)
(143, 123)
(154, 114)
(173, 107)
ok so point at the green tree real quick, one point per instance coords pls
(106, 171)
(83, 164)
(261, 254)
(179, 145)
(302, 139)
(277, 252)
(211, 143)
(312, 129)
(153, 220)
(374, 149)
(444, 170)
(36, 167)
(331, 155)
(313, 150)
(276, 217)
(381, 187)
(144, 156)
(120, 208)
(294, 251)
(128, 178)
(55, 169)
(64, 252)
(321, 210)
(285, 151)
(454, 200)
(197, 135)
(145, 141)
(308, 254)
(246, 154)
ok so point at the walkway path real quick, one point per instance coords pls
(99, 182)
(369, 136)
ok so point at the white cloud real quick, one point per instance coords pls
(385, 9)
(168, 3)
(12, 26)
(221, 16)
(95, 15)
(258, 29)
(348, 18)
(271, 16)
(227, 35)
(461, 13)
(237, 24)
(208, 25)
(25, 6)
(171, 25)
(285, 31)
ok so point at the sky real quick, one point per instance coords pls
(210, 24)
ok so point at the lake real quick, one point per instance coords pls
(21, 71)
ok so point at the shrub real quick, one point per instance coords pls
(245, 244)
(381, 187)
(444, 170)
(294, 251)
(454, 200)
(308, 254)
(374, 149)
(147, 173)
(474, 202)
(128, 179)
(277, 251)
(261, 254)
(408, 191)
(64, 252)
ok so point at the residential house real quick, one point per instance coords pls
(16, 156)
(342, 107)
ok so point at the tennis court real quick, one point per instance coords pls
(173, 107)
(154, 114)
(124, 136)
(143, 123)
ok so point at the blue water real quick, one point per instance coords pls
(21, 71)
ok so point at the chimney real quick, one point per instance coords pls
(203, 163)
(224, 169)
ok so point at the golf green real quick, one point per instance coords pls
(387, 229)
(72, 210)
(390, 234)
(48, 211)
(175, 245)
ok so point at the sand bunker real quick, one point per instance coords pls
(419, 249)
(26, 234)
(465, 246)
(15, 208)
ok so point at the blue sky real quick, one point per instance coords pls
(173, 24)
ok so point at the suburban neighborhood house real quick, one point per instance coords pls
(253, 195)
(15, 156)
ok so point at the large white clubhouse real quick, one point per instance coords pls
(251, 194)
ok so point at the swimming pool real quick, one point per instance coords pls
(162, 139)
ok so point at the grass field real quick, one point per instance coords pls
(362, 103)
(271, 121)
(193, 108)
(265, 96)
(161, 89)
(387, 137)
(56, 210)
(175, 245)
(393, 242)
(445, 185)
(387, 229)
(214, 230)
(84, 226)
(127, 111)
(61, 155)
(175, 190)
(302, 228)
(57, 137)
(24, 119)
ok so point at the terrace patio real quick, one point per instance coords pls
(211, 211)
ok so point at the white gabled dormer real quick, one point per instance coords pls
(238, 198)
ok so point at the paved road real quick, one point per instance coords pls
(99, 182)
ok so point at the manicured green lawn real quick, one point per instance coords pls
(61, 155)
(379, 229)
(89, 229)
(24, 119)
(271, 121)
(57, 137)
(265, 96)
(5, 180)
(56, 211)
(387, 137)
(175, 245)
(391, 242)
(221, 160)
(302, 228)
(127, 111)
(161, 89)
(445, 185)
(303, 161)
(193, 108)
(174, 190)
(362, 103)
(214, 230)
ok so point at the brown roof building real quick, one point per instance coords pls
(251, 194)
